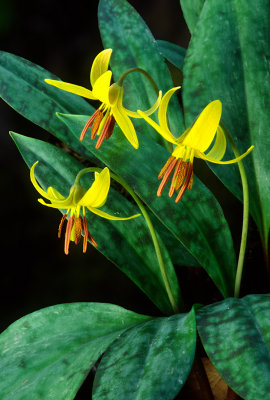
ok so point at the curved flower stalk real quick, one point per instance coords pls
(78, 200)
(194, 142)
(111, 98)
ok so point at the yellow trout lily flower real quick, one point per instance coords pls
(75, 203)
(111, 98)
(192, 143)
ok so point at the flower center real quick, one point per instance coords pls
(182, 178)
(102, 125)
(76, 226)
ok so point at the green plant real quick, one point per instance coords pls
(48, 354)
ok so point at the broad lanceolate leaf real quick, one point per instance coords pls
(126, 243)
(172, 52)
(123, 30)
(191, 11)
(197, 221)
(22, 86)
(149, 361)
(236, 336)
(48, 354)
(229, 59)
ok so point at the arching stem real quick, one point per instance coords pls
(142, 71)
(168, 145)
(151, 230)
(243, 243)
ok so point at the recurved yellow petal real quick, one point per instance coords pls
(53, 193)
(162, 111)
(64, 204)
(69, 87)
(125, 124)
(135, 114)
(101, 87)
(100, 65)
(97, 194)
(115, 92)
(182, 137)
(167, 135)
(218, 150)
(204, 128)
(36, 185)
(111, 217)
(213, 160)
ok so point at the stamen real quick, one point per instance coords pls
(92, 240)
(104, 131)
(110, 129)
(85, 229)
(166, 176)
(190, 181)
(68, 233)
(61, 225)
(89, 123)
(87, 235)
(164, 169)
(175, 176)
(186, 183)
(181, 175)
(78, 230)
(97, 122)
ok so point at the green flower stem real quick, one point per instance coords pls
(168, 145)
(242, 251)
(142, 71)
(150, 227)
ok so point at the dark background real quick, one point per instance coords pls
(63, 38)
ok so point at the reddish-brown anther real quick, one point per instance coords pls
(104, 131)
(68, 233)
(96, 124)
(61, 225)
(89, 123)
(182, 177)
(77, 229)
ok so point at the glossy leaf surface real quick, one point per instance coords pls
(149, 361)
(172, 52)
(191, 11)
(49, 353)
(22, 86)
(241, 81)
(236, 336)
(123, 30)
(126, 243)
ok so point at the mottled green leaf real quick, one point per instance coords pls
(22, 86)
(236, 336)
(191, 11)
(48, 354)
(149, 361)
(178, 253)
(197, 221)
(229, 59)
(126, 243)
(172, 52)
(123, 30)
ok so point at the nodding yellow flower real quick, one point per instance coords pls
(111, 97)
(77, 200)
(192, 143)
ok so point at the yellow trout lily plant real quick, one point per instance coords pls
(194, 142)
(111, 98)
(76, 203)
